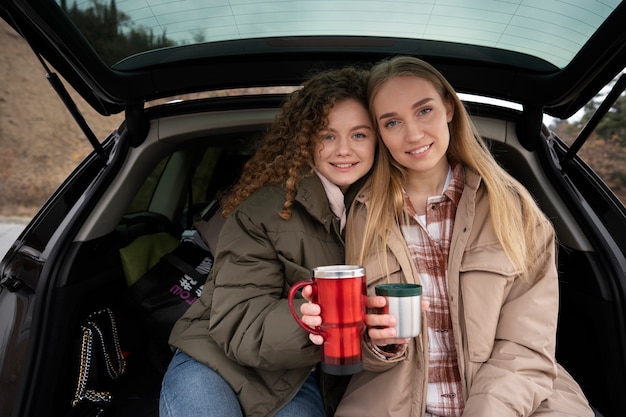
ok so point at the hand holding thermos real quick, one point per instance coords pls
(392, 317)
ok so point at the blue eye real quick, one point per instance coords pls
(426, 110)
(391, 123)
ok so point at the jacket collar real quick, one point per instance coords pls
(312, 196)
(336, 199)
(472, 181)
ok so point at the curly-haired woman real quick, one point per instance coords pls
(238, 350)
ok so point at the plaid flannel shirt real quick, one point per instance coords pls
(428, 241)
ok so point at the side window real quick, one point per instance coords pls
(605, 149)
(142, 199)
(217, 171)
(184, 183)
(204, 175)
(197, 195)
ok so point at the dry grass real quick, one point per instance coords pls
(40, 143)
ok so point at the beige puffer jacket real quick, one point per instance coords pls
(504, 329)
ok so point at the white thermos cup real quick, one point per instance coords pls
(404, 301)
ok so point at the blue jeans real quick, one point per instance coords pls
(191, 388)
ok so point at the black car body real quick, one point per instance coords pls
(164, 165)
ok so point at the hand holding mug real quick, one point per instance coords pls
(381, 327)
(311, 314)
(404, 302)
(339, 295)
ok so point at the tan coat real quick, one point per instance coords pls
(504, 329)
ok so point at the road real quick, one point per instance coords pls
(9, 231)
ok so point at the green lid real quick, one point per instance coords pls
(398, 290)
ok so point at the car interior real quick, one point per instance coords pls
(179, 170)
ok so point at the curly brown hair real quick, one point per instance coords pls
(286, 152)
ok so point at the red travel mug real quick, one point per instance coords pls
(340, 291)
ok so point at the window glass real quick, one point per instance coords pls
(605, 150)
(142, 199)
(215, 174)
(552, 30)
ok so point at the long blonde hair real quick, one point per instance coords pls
(513, 210)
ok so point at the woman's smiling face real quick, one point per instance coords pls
(413, 122)
(346, 147)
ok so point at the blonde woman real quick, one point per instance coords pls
(439, 211)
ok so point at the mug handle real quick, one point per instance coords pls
(292, 308)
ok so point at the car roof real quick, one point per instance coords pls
(552, 54)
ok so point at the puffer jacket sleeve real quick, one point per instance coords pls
(250, 317)
(516, 373)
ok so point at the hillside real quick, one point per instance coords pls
(40, 143)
